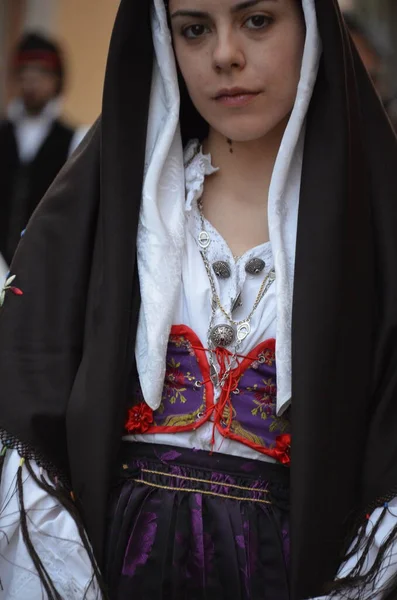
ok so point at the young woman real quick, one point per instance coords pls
(197, 340)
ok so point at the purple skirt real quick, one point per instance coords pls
(188, 525)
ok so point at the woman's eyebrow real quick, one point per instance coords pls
(197, 14)
(248, 4)
(205, 15)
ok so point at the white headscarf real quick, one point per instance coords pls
(161, 233)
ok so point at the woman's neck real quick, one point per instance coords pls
(235, 197)
(245, 168)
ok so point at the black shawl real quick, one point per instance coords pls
(67, 344)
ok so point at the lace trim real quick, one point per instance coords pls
(27, 452)
(197, 167)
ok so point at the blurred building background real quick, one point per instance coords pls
(84, 26)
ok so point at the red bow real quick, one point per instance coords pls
(282, 450)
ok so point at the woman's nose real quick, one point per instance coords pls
(228, 54)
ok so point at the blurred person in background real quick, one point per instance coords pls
(34, 141)
(374, 61)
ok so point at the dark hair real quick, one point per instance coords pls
(192, 123)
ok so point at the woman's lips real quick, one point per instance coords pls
(237, 100)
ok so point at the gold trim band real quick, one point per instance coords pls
(193, 491)
(230, 485)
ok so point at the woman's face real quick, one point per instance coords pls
(240, 61)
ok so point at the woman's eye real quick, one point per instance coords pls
(257, 22)
(194, 31)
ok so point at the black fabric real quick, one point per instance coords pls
(24, 184)
(198, 525)
(66, 346)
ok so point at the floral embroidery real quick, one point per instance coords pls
(181, 342)
(243, 433)
(140, 418)
(183, 420)
(264, 398)
(279, 424)
(175, 382)
(8, 286)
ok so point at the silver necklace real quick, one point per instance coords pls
(232, 332)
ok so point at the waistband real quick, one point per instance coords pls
(214, 474)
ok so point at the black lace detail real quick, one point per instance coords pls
(29, 453)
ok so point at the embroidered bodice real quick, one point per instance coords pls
(177, 417)
(245, 410)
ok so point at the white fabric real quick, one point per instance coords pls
(389, 564)
(54, 536)
(284, 202)
(388, 568)
(161, 225)
(31, 131)
(3, 271)
(77, 138)
(161, 237)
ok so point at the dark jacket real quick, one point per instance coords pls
(24, 184)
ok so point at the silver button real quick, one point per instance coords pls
(221, 269)
(255, 266)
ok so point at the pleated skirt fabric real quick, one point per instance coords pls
(189, 525)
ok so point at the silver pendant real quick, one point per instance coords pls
(255, 266)
(221, 269)
(222, 335)
(237, 303)
(204, 239)
(243, 330)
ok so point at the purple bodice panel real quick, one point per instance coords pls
(245, 410)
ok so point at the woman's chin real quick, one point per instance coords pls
(252, 132)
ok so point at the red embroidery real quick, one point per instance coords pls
(264, 399)
(140, 417)
(269, 356)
